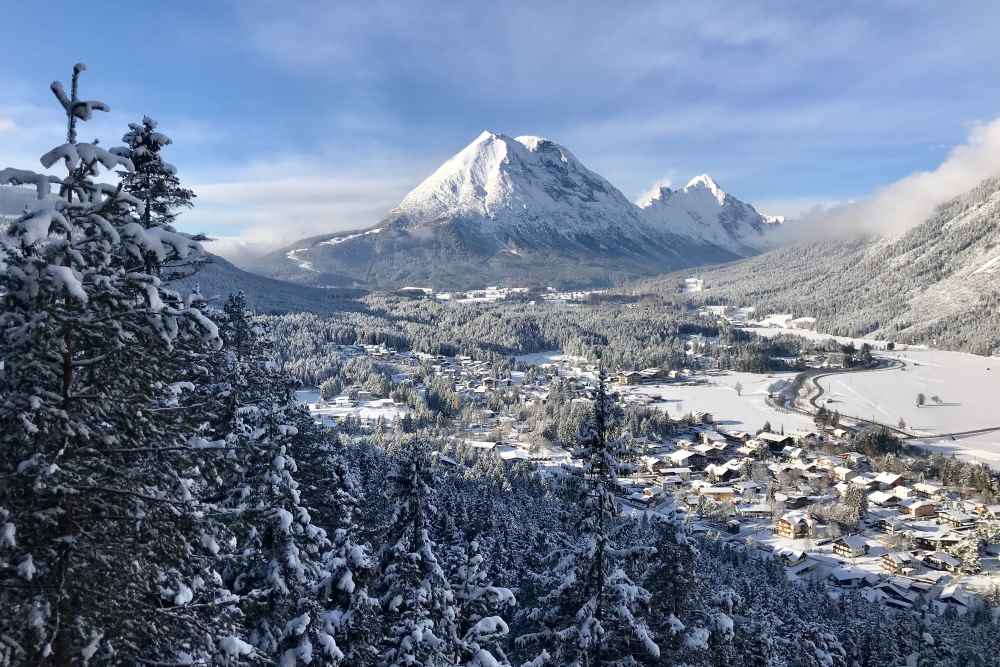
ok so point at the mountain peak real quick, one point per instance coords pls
(707, 182)
(658, 193)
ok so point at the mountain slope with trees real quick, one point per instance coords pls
(938, 283)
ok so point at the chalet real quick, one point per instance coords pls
(919, 509)
(940, 560)
(718, 493)
(747, 486)
(792, 500)
(629, 377)
(851, 546)
(806, 437)
(711, 437)
(741, 437)
(844, 474)
(954, 596)
(853, 459)
(935, 541)
(687, 458)
(774, 441)
(899, 562)
(794, 525)
(897, 594)
(957, 520)
(926, 489)
(701, 417)
(724, 472)
(839, 433)
(887, 480)
(710, 452)
(683, 473)
(883, 498)
(866, 482)
(755, 511)
(848, 577)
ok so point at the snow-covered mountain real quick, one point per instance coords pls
(523, 210)
(703, 211)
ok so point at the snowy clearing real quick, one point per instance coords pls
(731, 411)
(961, 392)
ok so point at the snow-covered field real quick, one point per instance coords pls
(967, 385)
(731, 411)
(365, 410)
(545, 357)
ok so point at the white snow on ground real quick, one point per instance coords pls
(303, 263)
(545, 357)
(731, 411)
(340, 239)
(967, 385)
(365, 410)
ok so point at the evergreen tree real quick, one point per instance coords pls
(479, 605)
(106, 552)
(591, 612)
(279, 550)
(417, 602)
(352, 615)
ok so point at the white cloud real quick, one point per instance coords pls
(265, 212)
(7, 124)
(899, 206)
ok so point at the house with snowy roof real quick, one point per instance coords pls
(899, 562)
(940, 560)
(794, 525)
(853, 546)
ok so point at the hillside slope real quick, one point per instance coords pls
(939, 283)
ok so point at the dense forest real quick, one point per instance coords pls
(652, 332)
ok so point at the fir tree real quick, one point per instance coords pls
(279, 550)
(591, 612)
(417, 602)
(106, 553)
(352, 615)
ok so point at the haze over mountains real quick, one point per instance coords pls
(523, 211)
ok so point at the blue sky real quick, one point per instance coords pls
(320, 116)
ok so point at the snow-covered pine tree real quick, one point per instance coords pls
(669, 577)
(352, 615)
(592, 612)
(418, 605)
(479, 605)
(153, 181)
(279, 551)
(104, 552)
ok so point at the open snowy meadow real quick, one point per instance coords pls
(732, 411)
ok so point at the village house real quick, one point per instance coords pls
(851, 546)
(687, 458)
(759, 511)
(718, 493)
(774, 441)
(940, 560)
(887, 480)
(794, 525)
(899, 562)
(919, 509)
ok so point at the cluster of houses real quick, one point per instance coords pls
(764, 486)
(769, 487)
